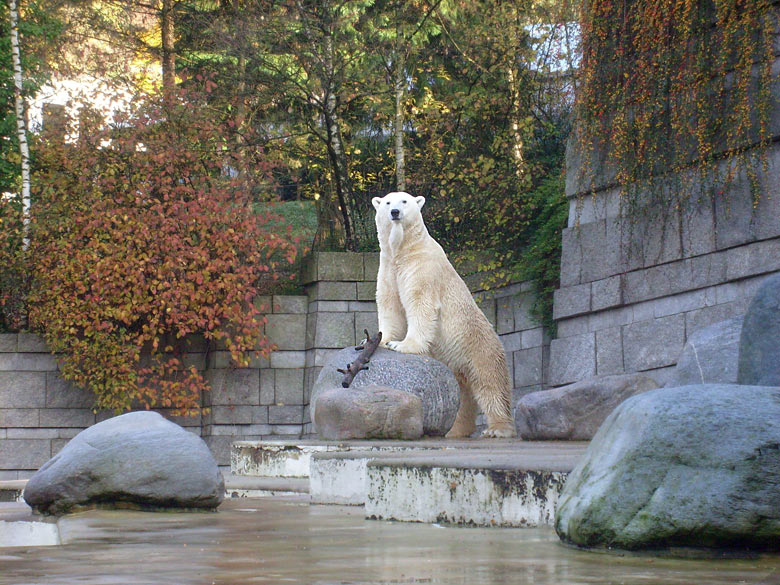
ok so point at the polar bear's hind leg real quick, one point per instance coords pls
(492, 391)
(465, 420)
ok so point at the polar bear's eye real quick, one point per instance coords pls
(404, 201)
(388, 203)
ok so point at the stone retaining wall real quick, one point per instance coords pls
(40, 412)
(633, 290)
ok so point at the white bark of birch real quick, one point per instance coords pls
(21, 119)
(398, 122)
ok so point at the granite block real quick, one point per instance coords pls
(287, 331)
(289, 386)
(606, 293)
(67, 417)
(24, 453)
(653, 344)
(370, 265)
(288, 359)
(285, 415)
(32, 343)
(63, 394)
(22, 389)
(234, 386)
(332, 291)
(609, 352)
(527, 367)
(19, 417)
(8, 342)
(572, 359)
(366, 291)
(334, 330)
(571, 301)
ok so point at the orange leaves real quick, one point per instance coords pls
(135, 249)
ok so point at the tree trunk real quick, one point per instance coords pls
(336, 154)
(517, 136)
(515, 93)
(21, 117)
(338, 161)
(398, 123)
(168, 47)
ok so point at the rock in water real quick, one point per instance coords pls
(368, 412)
(423, 376)
(576, 411)
(139, 458)
(759, 349)
(692, 466)
(710, 356)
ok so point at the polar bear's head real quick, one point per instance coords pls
(397, 207)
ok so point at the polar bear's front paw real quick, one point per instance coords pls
(406, 346)
(500, 432)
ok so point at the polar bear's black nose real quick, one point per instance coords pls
(394, 213)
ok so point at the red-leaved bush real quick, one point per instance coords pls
(13, 276)
(143, 234)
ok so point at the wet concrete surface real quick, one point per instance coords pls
(285, 540)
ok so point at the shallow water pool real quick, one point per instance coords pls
(285, 540)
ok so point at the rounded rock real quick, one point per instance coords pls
(759, 350)
(423, 376)
(368, 412)
(689, 467)
(138, 459)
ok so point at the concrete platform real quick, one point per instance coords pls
(292, 458)
(473, 482)
(497, 488)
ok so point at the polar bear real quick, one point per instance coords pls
(425, 308)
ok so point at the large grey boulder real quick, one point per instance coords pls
(138, 459)
(368, 412)
(576, 411)
(759, 349)
(710, 356)
(693, 466)
(423, 376)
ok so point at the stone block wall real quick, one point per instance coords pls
(633, 290)
(40, 412)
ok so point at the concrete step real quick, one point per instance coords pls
(497, 488)
(476, 482)
(340, 477)
(292, 458)
(237, 486)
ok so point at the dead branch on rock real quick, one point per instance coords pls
(369, 347)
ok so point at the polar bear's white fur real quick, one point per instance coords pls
(425, 308)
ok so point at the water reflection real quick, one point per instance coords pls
(284, 540)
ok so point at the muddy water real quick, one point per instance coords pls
(284, 540)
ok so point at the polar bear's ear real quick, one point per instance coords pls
(376, 202)
(420, 201)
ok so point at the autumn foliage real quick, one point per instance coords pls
(13, 276)
(143, 234)
(666, 83)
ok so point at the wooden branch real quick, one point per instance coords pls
(369, 347)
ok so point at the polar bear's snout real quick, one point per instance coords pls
(395, 214)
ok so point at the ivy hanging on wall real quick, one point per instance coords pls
(671, 88)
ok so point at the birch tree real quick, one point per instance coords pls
(21, 116)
